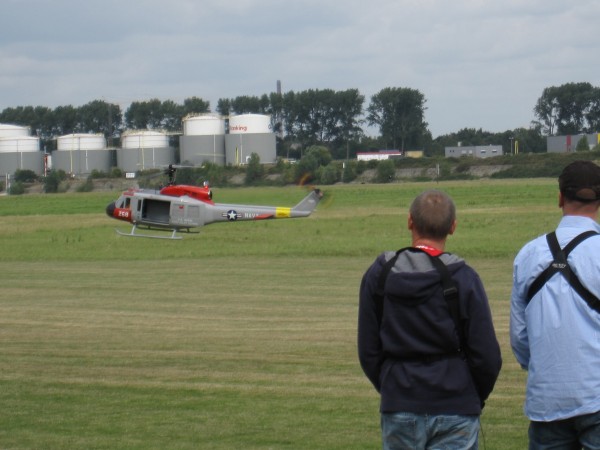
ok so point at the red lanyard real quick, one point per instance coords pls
(432, 251)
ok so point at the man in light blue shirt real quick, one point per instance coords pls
(555, 327)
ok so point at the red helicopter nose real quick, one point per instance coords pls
(110, 209)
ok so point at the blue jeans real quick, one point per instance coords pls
(402, 431)
(569, 434)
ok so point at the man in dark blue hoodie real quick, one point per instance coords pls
(433, 369)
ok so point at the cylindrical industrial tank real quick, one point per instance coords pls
(250, 133)
(144, 149)
(20, 153)
(250, 123)
(203, 140)
(8, 130)
(19, 144)
(203, 125)
(144, 139)
(81, 154)
(81, 141)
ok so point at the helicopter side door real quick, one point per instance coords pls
(150, 211)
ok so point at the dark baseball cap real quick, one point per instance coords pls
(580, 181)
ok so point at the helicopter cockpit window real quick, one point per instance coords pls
(124, 202)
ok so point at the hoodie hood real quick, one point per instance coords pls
(414, 278)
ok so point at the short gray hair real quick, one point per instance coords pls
(433, 213)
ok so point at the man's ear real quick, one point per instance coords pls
(561, 200)
(452, 228)
(410, 222)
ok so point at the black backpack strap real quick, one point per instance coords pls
(575, 242)
(451, 295)
(559, 259)
(450, 291)
(380, 291)
(560, 264)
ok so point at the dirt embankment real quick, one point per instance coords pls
(431, 172)
(74, 185)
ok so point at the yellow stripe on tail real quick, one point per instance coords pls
(282, 213)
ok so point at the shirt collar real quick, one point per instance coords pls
(579, 222)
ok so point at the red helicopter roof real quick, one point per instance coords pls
(199, 193)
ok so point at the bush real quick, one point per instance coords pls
(88, 186)
(361, 166)
(583, 145)
(386, 171)
(213, 173)
(16, 188)
(328, 174)
(25, 176)
(254, 170)
(306, 169)
(52, 181)
(349, 172)
(321, 154)
(116, 173)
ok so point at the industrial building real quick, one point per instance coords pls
(568, 143)
(475, 151)
(379, 155)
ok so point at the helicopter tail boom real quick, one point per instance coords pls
(221, 212)
(307, 205)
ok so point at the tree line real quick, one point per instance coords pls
(326, 117)
(571, 108)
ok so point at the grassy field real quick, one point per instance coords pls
(240, 336)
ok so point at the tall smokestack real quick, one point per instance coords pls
(278, 117)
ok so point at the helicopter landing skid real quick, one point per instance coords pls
(132, 233)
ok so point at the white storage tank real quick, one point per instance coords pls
(144, 139)
(81, 141)
(81, 154)
(19, 144)
(203, 125)
(203, 140)
(250, 123)
(250, 133)
(143, 150)
(8, 130)
(20, 153)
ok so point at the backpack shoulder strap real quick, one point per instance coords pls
(559, 258)
(450, 290)
(380, 290)
(560, 264)
(576, 241)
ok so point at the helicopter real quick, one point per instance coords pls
(182, 207)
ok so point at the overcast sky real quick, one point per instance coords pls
(479, 63)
